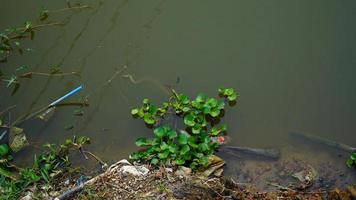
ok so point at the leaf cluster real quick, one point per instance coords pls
(194, 143)
(50, 163)
(351, 162)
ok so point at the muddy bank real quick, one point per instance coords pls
(125, 181)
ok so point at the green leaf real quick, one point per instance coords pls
(196, 129)
(7, 173)
(152, 109)
(206, 109)
(201, 98)
(164, 146)
(173, 148)
(134, 111)
(4, 150)
(43, 15)
(228, 91)
(192, 142)
(148, 118)
(221, 104)
(146, 101)
(349, 163)
(159, 132)
(141, 142)
(204, 146)
(164, 154)
(184, 150)
(182, 139)
(203, 160)
(154, 161)
(184, 99)
(172, 134)
(179, 161)
(212, 102)
(215, 112)
(189, 120)
(232, 97)
(185, 109)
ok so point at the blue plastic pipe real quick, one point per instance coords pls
(66, 95)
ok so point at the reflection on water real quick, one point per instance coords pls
(292, 62)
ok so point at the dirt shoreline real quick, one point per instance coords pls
(180, 183)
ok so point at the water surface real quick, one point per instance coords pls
(293, 63)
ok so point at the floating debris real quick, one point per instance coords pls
(17, 139)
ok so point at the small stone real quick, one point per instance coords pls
(183, 171)
(169, 170)
(134, 170)
(29, 196)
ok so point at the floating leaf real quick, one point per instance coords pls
(215, 112)
(182, 139)
(145, 101)
(173, 148)
(164, 154)
(184, 99)
(164, 146)
(43, 15)
(185, 149)
(141, 142)
(4, 150)
(148, 118)
(159, 132)
(172, 134)
(17, 139)
(134, 111)
(201, 98)
(189, 120)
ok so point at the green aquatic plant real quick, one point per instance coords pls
(52, 162)
(192, 144)
(351, 162)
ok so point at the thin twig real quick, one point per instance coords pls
(95, 157)
(7, 109)
(70, 9)
(29, 74)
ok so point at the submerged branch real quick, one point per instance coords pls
(269, 153)
(7, 109)
(70, 9)
(327, 142)
(29, 74)
(158, 84)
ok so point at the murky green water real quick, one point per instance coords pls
(293, 63)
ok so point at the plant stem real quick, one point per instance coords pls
(70, 9)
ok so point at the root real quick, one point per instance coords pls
(158, 84)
